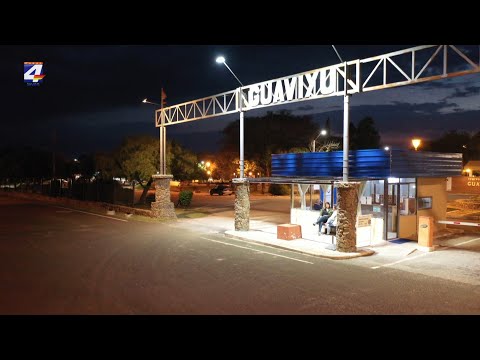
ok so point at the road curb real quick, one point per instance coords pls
(334, 255)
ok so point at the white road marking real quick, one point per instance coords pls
(84, 212)
(412, 258)
(400, 261)
(260, 251)
(465, 242)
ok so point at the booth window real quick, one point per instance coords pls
(424, 203)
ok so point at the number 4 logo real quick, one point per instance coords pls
(32, 72)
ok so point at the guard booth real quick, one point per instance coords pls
(397, 186)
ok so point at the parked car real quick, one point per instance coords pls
(221, 190)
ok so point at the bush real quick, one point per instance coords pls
(185, 197)
(279, 189)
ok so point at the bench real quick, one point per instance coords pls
(333, 230)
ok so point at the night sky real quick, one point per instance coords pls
(91, 95)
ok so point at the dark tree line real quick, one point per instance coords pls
(457, 142)
(275, 132)
(278, 132)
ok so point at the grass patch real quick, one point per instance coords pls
(189, 214)
(196, 215)
(147, 219)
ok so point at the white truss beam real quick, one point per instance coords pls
(322, 82)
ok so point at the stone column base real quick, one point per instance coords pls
(242, 205)
(163, 210)
(347, 202)
(163, 207)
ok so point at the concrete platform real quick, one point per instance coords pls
(305, 246)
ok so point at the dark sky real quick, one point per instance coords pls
(92, 95)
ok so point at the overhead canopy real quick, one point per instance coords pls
(367, 164)
(299, 180)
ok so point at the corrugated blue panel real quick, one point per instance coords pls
(362, 163)
(425, 164)
(373, 163)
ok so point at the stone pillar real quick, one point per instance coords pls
(242, 205)
(163, 207)
(347, 201)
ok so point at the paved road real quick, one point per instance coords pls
(59, 261)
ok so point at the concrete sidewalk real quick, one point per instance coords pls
(265, 232)
(323, 247)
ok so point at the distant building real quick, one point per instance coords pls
(472, 168)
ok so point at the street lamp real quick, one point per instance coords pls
(322, 132)
(221, 60)
(386, 148)
(146, 101)
(416, 143)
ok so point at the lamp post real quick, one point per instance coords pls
(416, 143)
(322, 132)
(221, 60)
(162, 149)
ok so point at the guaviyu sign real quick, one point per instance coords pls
(314, 84)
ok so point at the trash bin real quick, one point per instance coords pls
(425, 233)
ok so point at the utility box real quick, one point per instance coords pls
(425, 233)
(289, 232)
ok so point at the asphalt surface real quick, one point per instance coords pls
(59, 261)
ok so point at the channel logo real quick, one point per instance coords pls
(33, 73)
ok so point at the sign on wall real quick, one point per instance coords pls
(467, 185)
(364, 220)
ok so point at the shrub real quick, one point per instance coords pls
(185, 197)
(279, 189)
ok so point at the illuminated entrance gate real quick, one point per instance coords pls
(398, 68)
(404, 67)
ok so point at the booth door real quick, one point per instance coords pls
(392, 218)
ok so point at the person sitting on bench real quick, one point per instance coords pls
(325, 213)
(332, 220)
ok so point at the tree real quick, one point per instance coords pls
(473, 147)
(18, 163)
(138, 159)
(327, 126)
(273, 133)
(226, 164)
(365, 135)
(181, 163)
(456, 142)
(352, 136)
(106, 167)
(451, 141)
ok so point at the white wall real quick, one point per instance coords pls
(365, 235)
